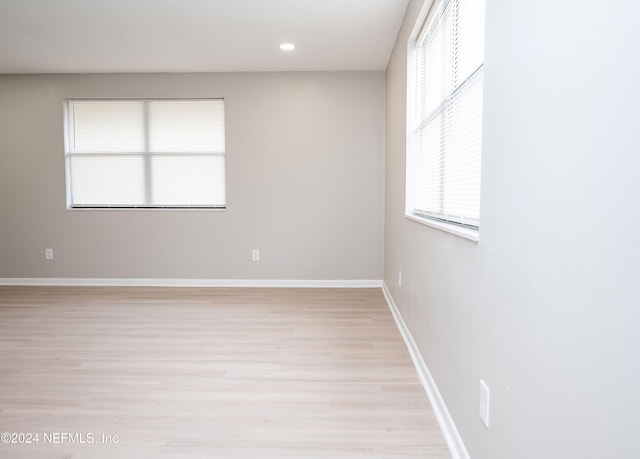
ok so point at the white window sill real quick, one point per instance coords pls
(467, 233)
(146, 209)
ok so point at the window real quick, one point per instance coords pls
(443, 173)
(162, 153)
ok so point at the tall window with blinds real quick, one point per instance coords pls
(448, 137)
(160, 153)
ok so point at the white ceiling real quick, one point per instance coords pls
(113, 36)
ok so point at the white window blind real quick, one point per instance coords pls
(146, 153)
(450, 59)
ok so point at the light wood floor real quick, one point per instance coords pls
(209, 373)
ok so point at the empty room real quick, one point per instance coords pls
(319, 229)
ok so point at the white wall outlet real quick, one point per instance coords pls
(484, 403)
(255, 255)
(399, 278)
(48, 254)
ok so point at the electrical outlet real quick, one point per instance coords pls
(255, 255)
(399, 278)
(484, 403)
(48, 254)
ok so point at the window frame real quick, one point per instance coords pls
(68, 154)
(455, 226)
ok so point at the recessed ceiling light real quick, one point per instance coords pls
(287, 47)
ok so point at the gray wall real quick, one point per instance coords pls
(305, 174)
(546, 306)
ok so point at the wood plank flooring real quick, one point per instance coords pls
(209, 373)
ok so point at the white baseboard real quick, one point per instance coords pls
(449, 430)
(109, 282)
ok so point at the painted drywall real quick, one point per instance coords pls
(305, 174)
(545, 307)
